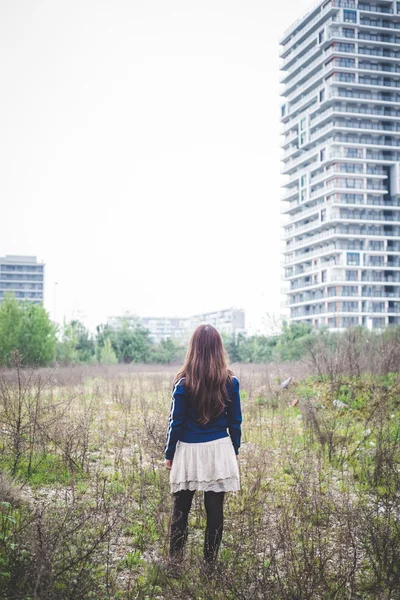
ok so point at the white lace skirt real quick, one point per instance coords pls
(206, 466)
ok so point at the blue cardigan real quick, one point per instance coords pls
(183, 424)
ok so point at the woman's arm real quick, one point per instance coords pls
(176, 421)
(235, 415)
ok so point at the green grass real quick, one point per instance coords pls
(42, 470)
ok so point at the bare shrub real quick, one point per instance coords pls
(10, 491)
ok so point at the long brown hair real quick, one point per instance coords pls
(206, 373)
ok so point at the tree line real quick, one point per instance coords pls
(27, 328)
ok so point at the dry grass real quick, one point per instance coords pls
(317, 516)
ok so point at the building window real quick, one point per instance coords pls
(376, 246)
(351, 275)
(323, 214)
(303, 137)
(350, 16)
(349, 33)
(322, 95)
(345, 47)
(353, 259)
(350, 306)
(303, 181)
(378, 307)
(322, 154)
(303, 195)
(353, 153)
(321, 36)
(346, 77)
(283, 110)
(378, 323)
(302, 124)
(323, 276)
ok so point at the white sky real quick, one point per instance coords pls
(139, 152)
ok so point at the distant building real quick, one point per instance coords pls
(129, 321)
(229, 321)
(23, 277)
(163, 328)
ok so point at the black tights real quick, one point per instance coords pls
(213, 502)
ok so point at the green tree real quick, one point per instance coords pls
(232, 345)
(129, 341)
(253, 349)
(132, 345)
(168, 351)
(257, 349)
(27, 328)
(293, 341)
(103, 333)
(76, 344)
(107, 354)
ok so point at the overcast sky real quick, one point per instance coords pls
(139, 152)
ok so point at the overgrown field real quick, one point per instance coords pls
(85, 504)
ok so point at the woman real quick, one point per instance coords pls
(199, 451)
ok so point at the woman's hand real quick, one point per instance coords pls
(168, 464)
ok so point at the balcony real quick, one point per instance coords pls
(339, 200)
(379, 278)
(303, 72)
(307, 256)
(301, 104)
(368, 202)
(348, 153)
(379, 39)
(378, 68)
(289, 139)
(341, 218)
(337, 187)
(311, 269)
(290, 194)
(369, 96)
(367, 217)
(318, 118)
(375, 9)
(309, 83)
(314, 210)
(378, 24)
(294, 162)
(375, 82)
(297, 52)
(378, 293)
(308, 27)
(366, 127)
(370, 141)
(384, 53)
(337, 231)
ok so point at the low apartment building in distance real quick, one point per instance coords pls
(229, 321)
(163, 328)
(341, 120)
(23, 277)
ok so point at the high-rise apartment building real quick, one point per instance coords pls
(229, 321)
(341, 119)
(23, 277)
